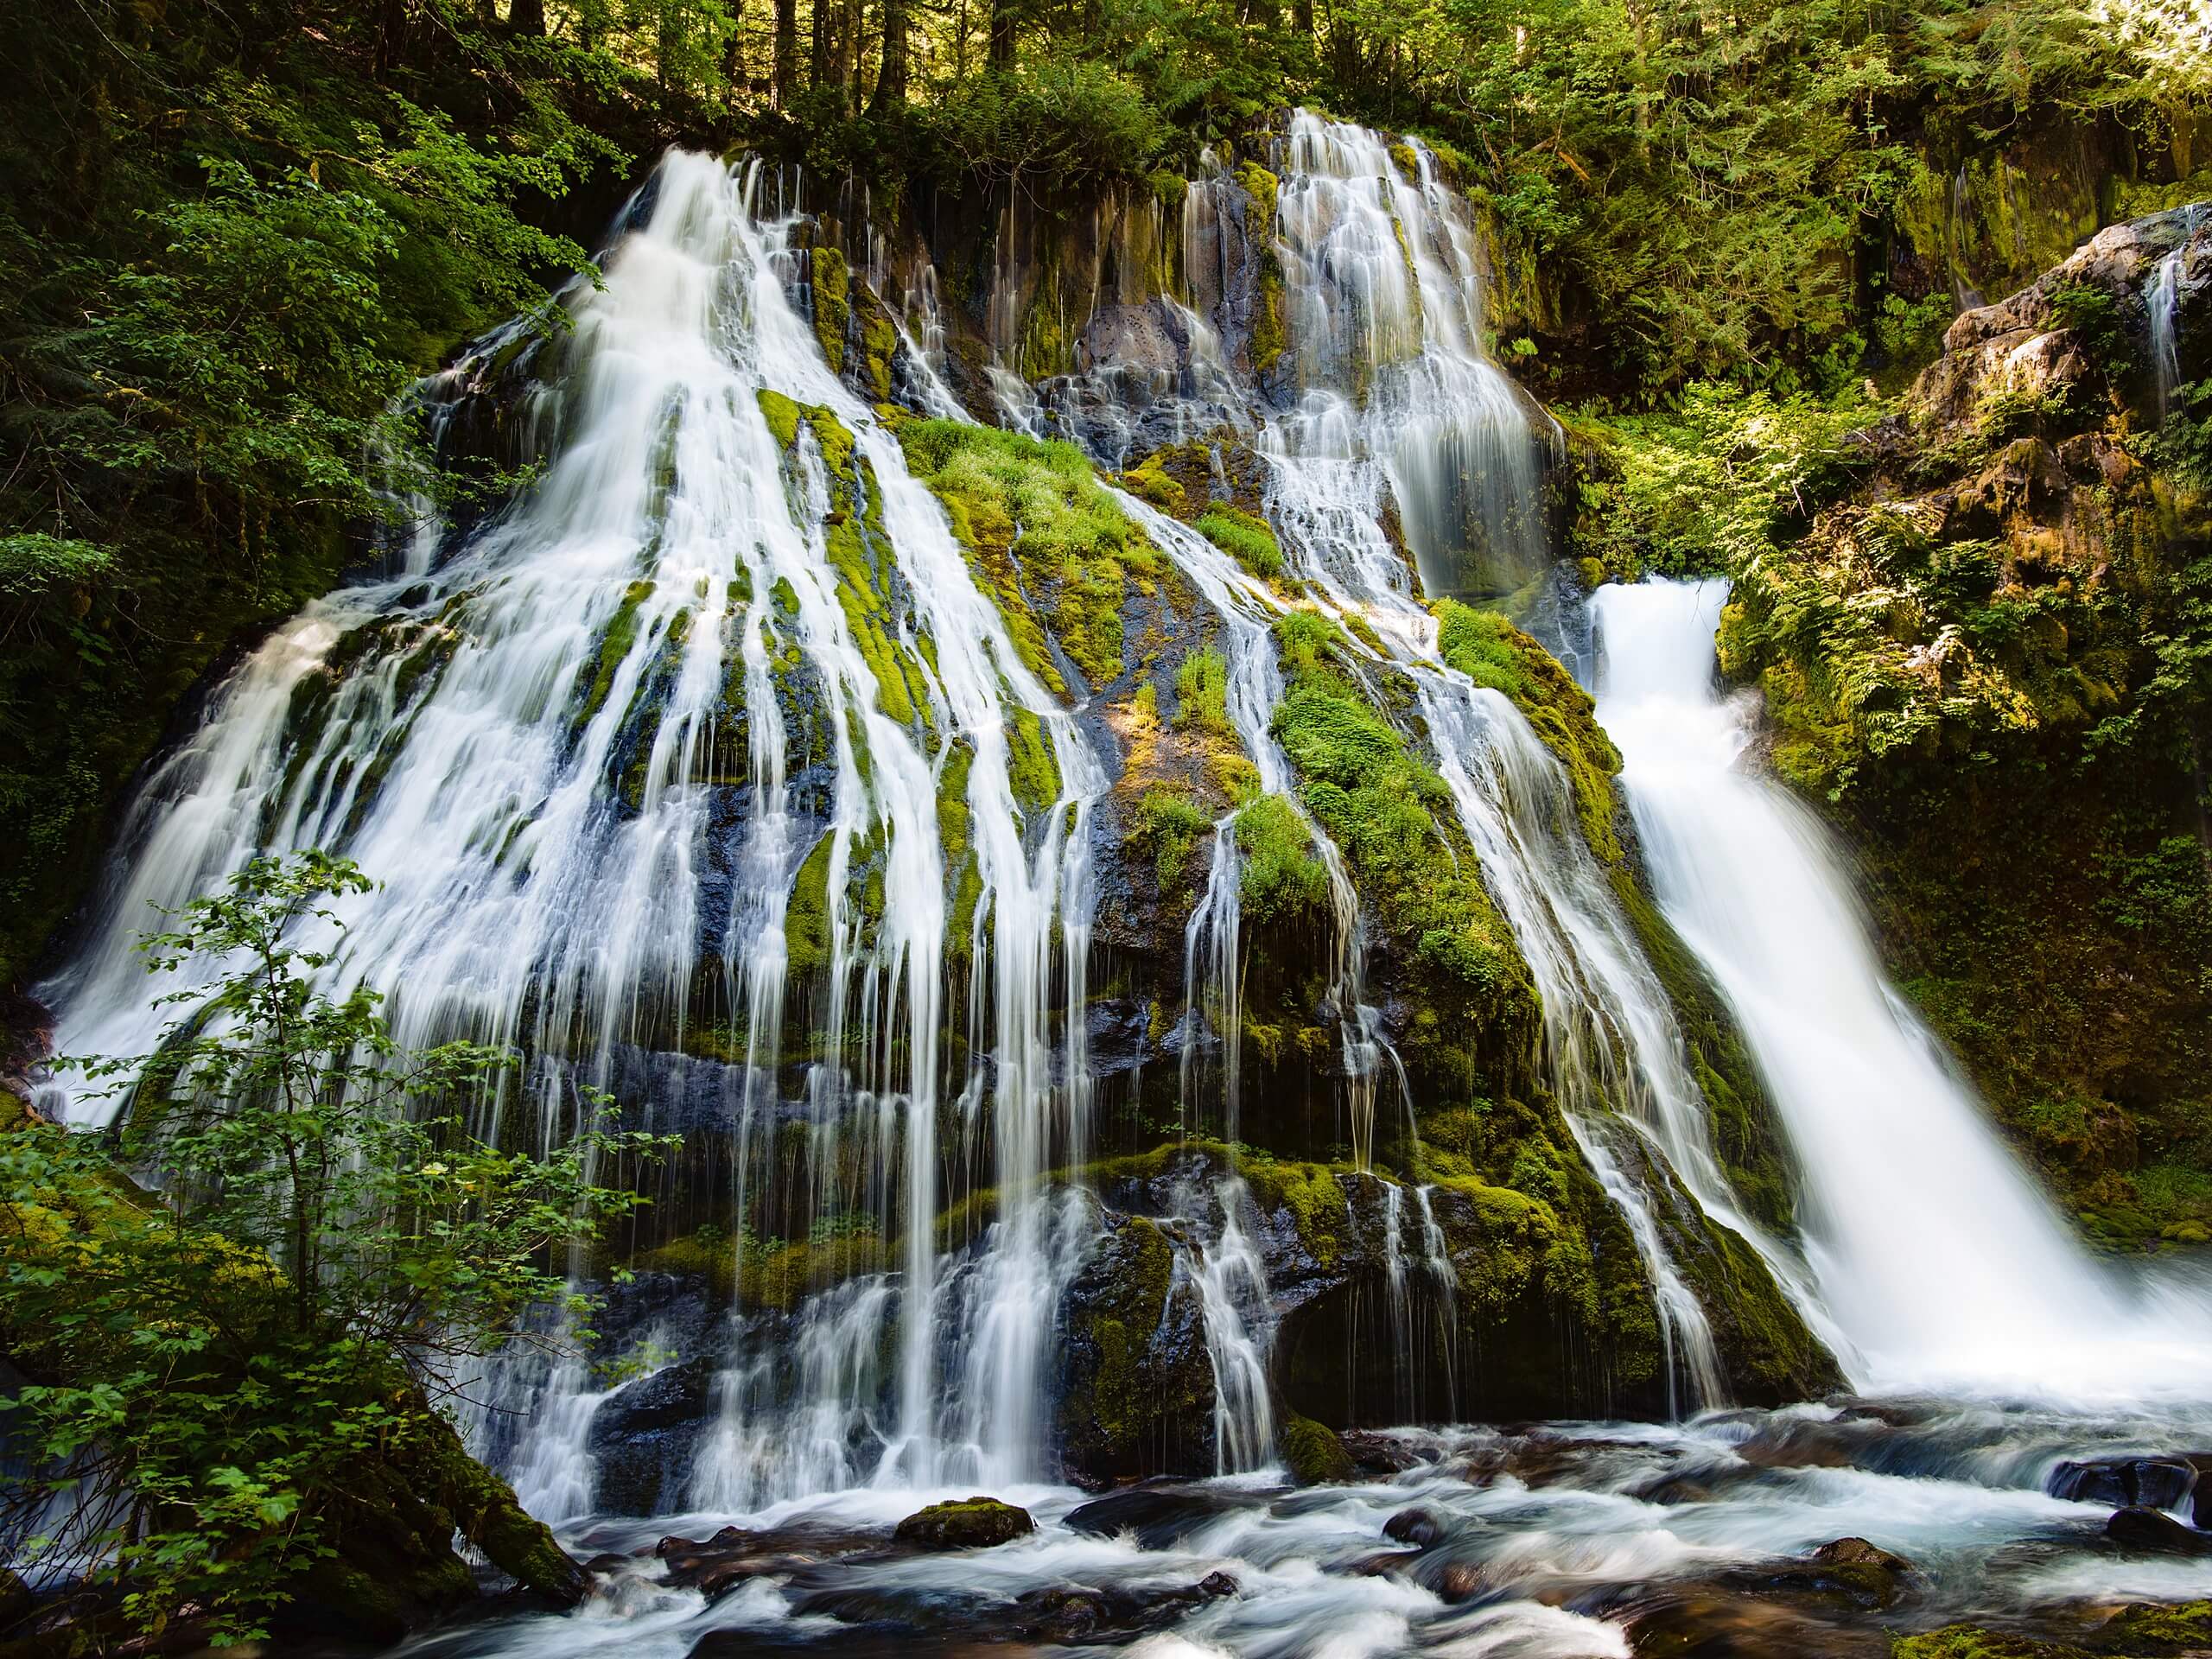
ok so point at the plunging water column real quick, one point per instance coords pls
(1932, 1250)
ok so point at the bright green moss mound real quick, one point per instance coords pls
(1313, 1454)
(2137, 1632)
(1052, 546)
(1245, 538)
(1283, 878)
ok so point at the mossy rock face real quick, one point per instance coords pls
(2141, 1631)
(971, 1523)
(1052, 549)
(1136, 1381)
(830, 286)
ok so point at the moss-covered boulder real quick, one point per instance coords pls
(1136, 1390)
(966, 1523)
(1312, 1454)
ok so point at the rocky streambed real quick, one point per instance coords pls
(1934, 1529)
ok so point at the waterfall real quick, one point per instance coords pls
(1440, 434)
(1931, 1247)
(591, 751)
(2162, 300)
(1383, 287)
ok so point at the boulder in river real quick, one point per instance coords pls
(1159, 1517)
(2159, 1483)
(1080, 1612)
(965, 1523)
(1847, 1570)
(1313, 1454)
(1417, 1526)
(2154, 1532)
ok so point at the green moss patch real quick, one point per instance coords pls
(1245, 538)
(1052, 547)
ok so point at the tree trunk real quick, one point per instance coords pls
(1002, 31)
(786, 67)
(856, 56)
(392, 37)
(526, 17)
(890, 77)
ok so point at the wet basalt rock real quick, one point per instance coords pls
(1083, 1612)
(1158, 1517)
(732, 1556)
(1418, 1527)
(2140, 1530)
(1378, 1453)
(2159, 1483)
(1848, 1570)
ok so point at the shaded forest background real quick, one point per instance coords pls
(232, 233)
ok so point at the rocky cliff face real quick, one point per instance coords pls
(1405, 1224)
(1984, 656)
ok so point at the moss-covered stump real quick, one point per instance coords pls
(968, 1523)
(394, 1566)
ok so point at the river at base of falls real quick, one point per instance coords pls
(1563, 1541)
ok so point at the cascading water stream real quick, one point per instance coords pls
(1931, 1247)
(1397, 308)
(2162, 300)
(523, 743)
(1382, 285)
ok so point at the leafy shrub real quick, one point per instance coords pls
(226, 1362)
(1202, 693)
(1064, 121)
(1171, 824)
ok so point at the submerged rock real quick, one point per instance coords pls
(1698, 1622)
(733, 1556)
(1418, 1527)
(1848, 1570)
(1079, 1612)
(1158, 1517)
(973, 1523)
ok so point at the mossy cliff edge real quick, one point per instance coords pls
(1981, 643)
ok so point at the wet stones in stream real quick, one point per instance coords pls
(942, 1612)
(1159, 1517)
(2140, 1530)
(1850, 1572)
(1417, 1526)
(2155, 1482)
(733, 1557)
